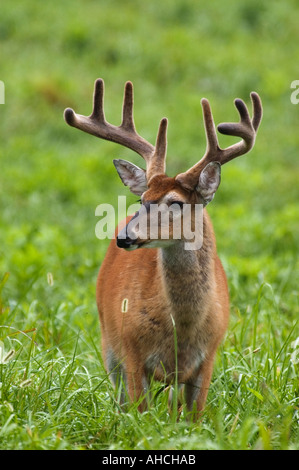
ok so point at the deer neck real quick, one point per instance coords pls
(188, 274)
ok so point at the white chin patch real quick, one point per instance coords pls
(158, 244)
(132, 248)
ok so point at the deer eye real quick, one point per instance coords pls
(179, 203)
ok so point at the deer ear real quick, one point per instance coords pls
(209, 181)
(132, 176)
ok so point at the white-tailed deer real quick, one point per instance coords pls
(142, 295)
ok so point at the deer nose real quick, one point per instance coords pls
(124, 242)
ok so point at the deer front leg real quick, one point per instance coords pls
(196, 390)
(136, 384)
(128, 379)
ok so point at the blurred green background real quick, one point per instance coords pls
(52, 177)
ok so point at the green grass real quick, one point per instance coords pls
(54, 390)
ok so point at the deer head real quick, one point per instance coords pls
(197, 185)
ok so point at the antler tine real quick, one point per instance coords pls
(212, 140)
(98, 101)
(157, 163)
(257, 110)
(128, 119)
(88, 123)
(96, 125)
(246, 128)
